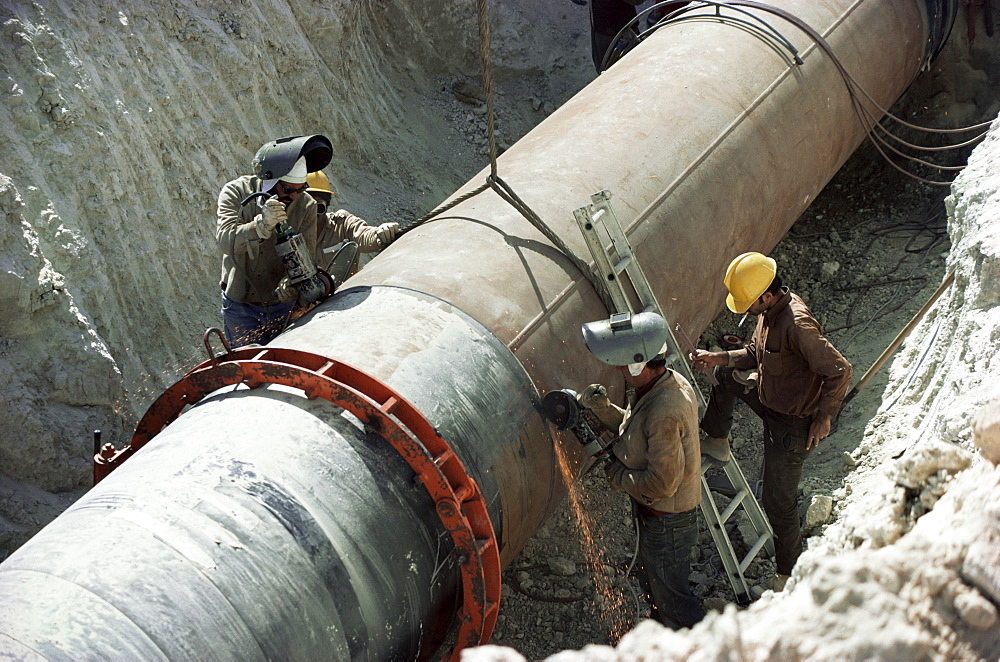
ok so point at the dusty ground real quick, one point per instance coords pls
(93, 327)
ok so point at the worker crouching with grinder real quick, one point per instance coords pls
(657, 458)
(261, 213)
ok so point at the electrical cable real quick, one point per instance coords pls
(914, 230)
(868, 121)
(878, 313)
(621, 45)
(631, 564)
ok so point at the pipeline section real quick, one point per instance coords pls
(266, 524)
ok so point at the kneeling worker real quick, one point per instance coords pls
(656, 460)
(334, 227)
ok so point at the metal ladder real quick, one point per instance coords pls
(613, 258)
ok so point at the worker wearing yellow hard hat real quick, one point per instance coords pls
(318, 186)
(747, 278)
(340, 225)
(790, 375)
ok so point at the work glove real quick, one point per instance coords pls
(386, 233)
(378, 237)
(274, 213)
(285, 291)
(594, 396)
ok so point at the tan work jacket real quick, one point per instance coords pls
(251, 268)
(799, 372)
(658, 452)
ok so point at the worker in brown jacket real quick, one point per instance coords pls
(791, 376)
(257, 297)
(656, 460)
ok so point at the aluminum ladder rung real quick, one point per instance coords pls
(623, 264)
(733, 505)
(758, 519)
(754, 549)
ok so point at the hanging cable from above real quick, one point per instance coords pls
(498, 185)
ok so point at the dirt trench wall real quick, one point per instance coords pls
(121, 123)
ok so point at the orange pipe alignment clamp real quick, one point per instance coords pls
(459, 503)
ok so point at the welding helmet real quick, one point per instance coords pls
(748, 277)
(277, 158)
(627, 339)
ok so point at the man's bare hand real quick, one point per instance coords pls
(818, 430)
(703, 359)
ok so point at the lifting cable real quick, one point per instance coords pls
(495, 182)
(872, 126)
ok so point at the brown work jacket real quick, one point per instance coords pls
(799, 372)
(658, 452)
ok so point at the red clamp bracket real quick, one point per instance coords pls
(458, 501)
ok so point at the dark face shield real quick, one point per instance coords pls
(275, 159)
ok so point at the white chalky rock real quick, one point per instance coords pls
(986, 430)
(926, 459)
(829, 269)
(562, 566)
(981, 567)
(819, 511)
(977, 612)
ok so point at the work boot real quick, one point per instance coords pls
(717, 449)
(778, 582)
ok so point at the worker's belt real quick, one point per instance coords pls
(252, 303)
(651, 512)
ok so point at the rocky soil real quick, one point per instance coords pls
(122, 122)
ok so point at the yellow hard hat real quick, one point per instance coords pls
(747, 277)
(318, 183)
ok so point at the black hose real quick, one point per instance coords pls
(254, 196)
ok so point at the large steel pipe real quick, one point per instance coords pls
(262, 524)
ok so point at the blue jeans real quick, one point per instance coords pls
(665, 544)
(247, 324)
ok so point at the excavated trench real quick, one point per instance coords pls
(866, 254)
